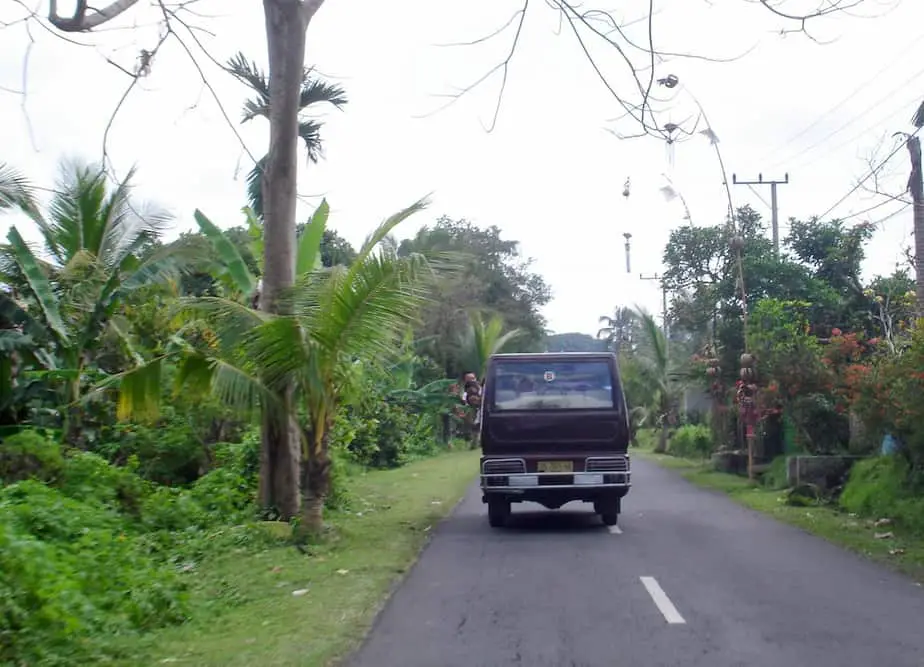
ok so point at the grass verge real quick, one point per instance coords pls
(250, 614)
(900, 551)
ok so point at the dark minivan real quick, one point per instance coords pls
(554, 428)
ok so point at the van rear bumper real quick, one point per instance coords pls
(513, 478)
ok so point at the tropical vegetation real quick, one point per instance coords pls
(838, 360)
(136, 374)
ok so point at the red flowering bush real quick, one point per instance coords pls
(848, 359)
(888, 398)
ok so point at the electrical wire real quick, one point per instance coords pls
(852, 120)
(871, 173)
(846, 99)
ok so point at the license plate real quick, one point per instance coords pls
(555, 466)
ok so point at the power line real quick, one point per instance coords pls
(872, 173)
(899, 110)
(851, 120)
(774, 208)
(850, 96)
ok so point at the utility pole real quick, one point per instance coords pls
(628, 248)
(774, 209)
(655, 276)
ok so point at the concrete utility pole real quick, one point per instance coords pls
(774, 209)
(628, 248)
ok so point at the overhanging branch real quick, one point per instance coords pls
(81, 20)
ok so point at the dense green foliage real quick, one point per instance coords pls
(132, 373)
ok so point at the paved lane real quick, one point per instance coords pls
(691, 580)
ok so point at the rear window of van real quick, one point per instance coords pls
(553, 385)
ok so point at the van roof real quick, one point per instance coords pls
(551, 356)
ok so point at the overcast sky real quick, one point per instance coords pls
(549, 175)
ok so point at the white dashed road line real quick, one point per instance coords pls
(662, 602)
(614, 530)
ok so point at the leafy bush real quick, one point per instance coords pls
(383, 436)
(691, 441)
(225, 495)
(645, 438)
(820, 427)
(72, 570)
(889, 399)
(340, 497)
(168, 452)
(89, 478)
(885, 487)
(29, 455)
(776, 477)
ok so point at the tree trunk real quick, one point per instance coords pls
(73, 414)
(286, 24)
(916, 186)
(316, 486)
(661, 447)
(280, 467)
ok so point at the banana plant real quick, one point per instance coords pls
(235, 273)
(102, 247)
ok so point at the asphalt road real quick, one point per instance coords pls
(691, 579)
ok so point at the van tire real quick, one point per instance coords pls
(610, 518)
(498, 513)
(608, 509)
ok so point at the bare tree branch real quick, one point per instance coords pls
(639, 59)
(80, 20)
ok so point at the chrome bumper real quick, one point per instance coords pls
(521, 481)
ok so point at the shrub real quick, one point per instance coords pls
(820, 428)
(885, 487)
(645, 438)
(382, 436)
(88, 477)
(172, 509)
(225, 496)
(340, 497)
(776, 477)
(168, 452)
(73, 570)
(691, 441)
(29, 455)
(889, 399)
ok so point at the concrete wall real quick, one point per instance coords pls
(826, 472)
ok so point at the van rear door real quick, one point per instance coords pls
(533, 404)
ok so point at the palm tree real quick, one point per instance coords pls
(484, 339)
(654, 370)
(314, 91)
(337, 315)
(618, 329)
(101, 247)
(15, 190)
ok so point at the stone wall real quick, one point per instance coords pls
(825, 472)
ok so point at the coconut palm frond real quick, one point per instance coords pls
(15, 190)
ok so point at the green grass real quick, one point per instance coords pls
(249, 613)
(902, 552)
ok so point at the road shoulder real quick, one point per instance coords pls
(896, 550)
